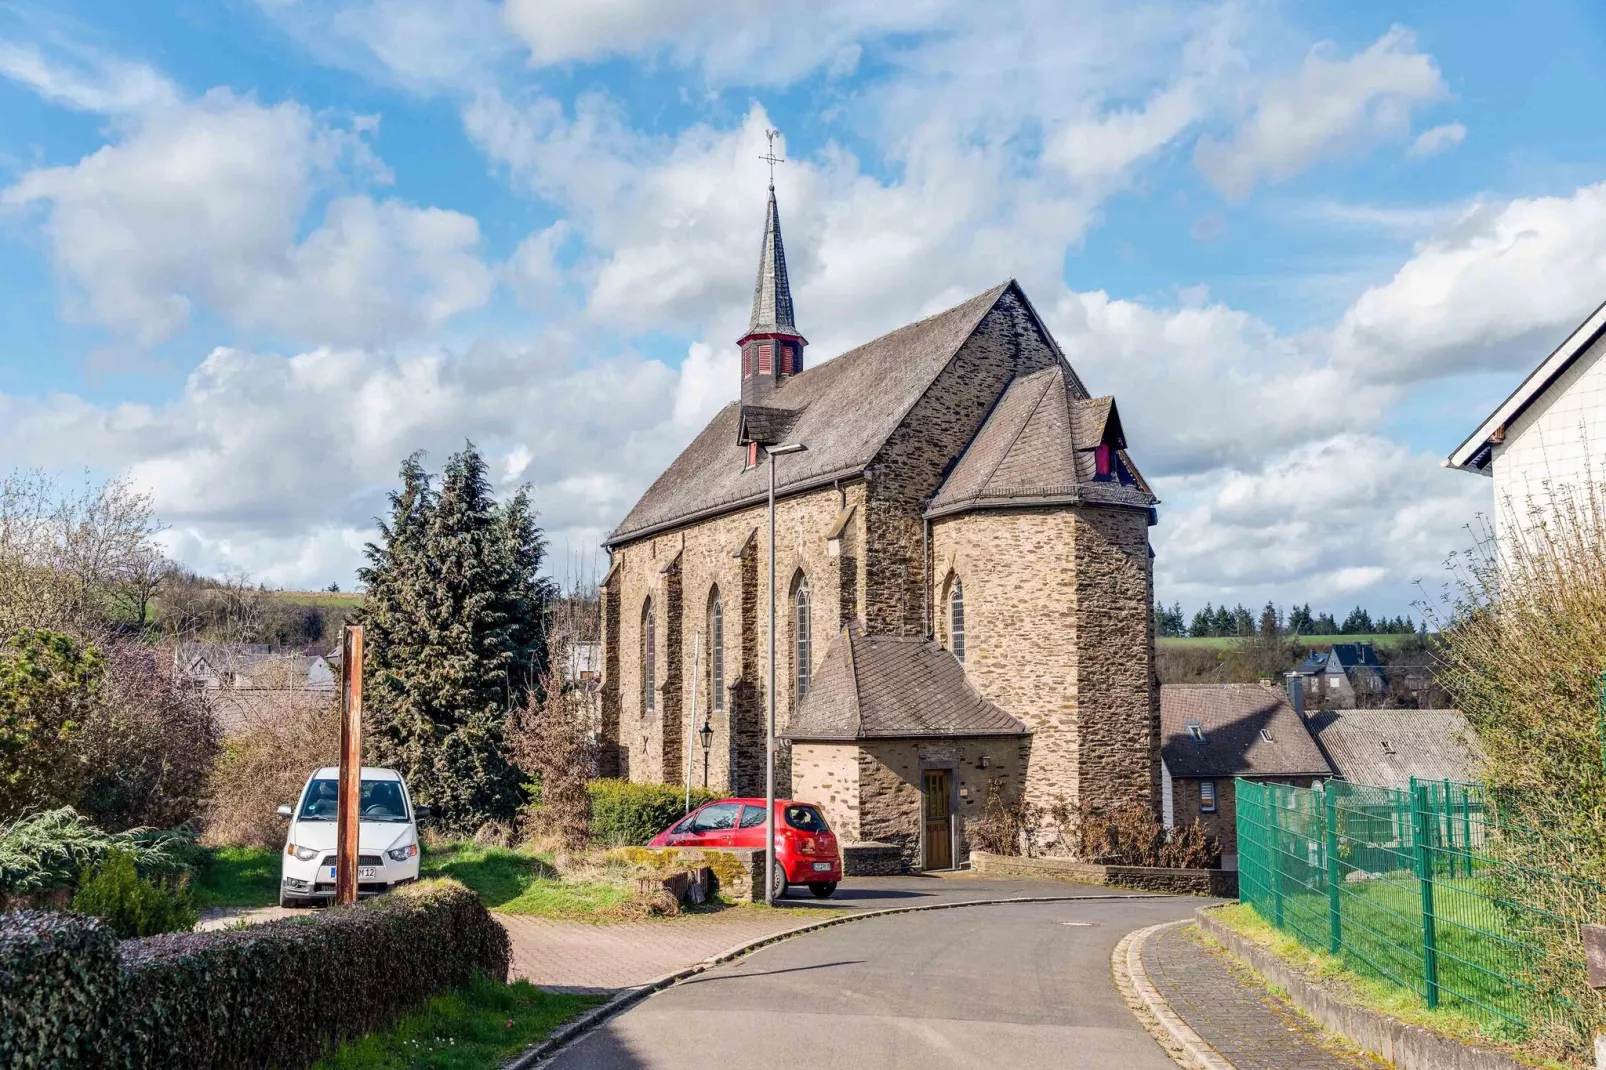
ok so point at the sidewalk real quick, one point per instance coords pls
(1236, 1014)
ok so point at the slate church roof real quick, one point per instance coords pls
(893, 687)
(846, 409)
(1243, 730)
(1038, 446)
(772, 293)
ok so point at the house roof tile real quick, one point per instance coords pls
(1428, 744)
(1235, 720)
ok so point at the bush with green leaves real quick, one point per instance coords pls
(628, 814)
(51, 849)
(48, 688)
(280, 994)
(132, 905)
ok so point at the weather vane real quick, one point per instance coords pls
(770, 157)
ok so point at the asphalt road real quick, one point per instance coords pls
(1002, 987)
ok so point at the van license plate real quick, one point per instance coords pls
(822, 867)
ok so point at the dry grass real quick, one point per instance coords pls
(264, 765)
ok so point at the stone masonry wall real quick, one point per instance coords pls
(1118, 699)
(827, 774)
(890, 785)
(1019, 576)
(610, 756)
(917, 456)
(732, 552)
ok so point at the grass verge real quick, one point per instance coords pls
(482, 1025)
(1351, 987)
(238, 877)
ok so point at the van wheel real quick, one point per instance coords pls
(823, 890)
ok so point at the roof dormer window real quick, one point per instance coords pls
(1196, 732)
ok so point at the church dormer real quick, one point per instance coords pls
(772, 350)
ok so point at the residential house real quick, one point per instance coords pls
(243, 682)
(963, 581)
(1549, 436)
(1346, 676)
(1386, 748)
(1213, 733)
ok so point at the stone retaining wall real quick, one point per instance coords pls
(871, 859)
(1149, 878)
(738, 871)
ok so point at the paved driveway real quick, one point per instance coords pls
(1017, 986)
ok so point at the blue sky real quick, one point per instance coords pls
(254, 253)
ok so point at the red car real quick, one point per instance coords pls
(805, 847)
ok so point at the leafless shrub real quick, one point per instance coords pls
(149, 745)
(1131, 835)
(266, 764)
(1007, 819)
(550, 739)
(1521, 646)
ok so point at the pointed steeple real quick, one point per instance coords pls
(772, 348)
(772, 293)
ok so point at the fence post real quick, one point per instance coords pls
(1335, 923)
(1424, 876)
(1273, 853)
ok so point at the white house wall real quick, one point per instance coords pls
(1558, 439)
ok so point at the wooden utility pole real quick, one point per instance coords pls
(349, 815)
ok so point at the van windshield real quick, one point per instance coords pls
(381, 800)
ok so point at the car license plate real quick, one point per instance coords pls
(822, 867)
(364, 873)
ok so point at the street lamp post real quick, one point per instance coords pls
(706, 734)
(769, 747)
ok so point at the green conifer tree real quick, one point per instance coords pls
(454, 638)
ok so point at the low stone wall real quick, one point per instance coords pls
(871, 859)
(1407, 1047)
(738, 871)
(1148, 878)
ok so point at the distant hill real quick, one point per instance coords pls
(1317, 642)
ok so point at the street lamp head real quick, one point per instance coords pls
(706, 735)
(787, 447)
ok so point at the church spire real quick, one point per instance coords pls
(772, 350)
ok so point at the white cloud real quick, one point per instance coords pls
(424, 45)
(1349, 519)
(87, 80)
(198, 205)
(1330, 107)
(1436, 140)
(1499, 289)
(729, 41)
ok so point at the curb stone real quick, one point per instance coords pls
(623, 1000)
(1178, 1039)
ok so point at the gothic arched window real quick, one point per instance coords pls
(649, 658)
(956, 619)
(802, 635)
(716, 652)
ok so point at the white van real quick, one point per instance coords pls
(387, 844)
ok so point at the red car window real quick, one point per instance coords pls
(752, 817)
(715, 818)
(806, 819)
(683, 825)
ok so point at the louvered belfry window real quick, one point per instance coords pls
(956, 620)
(766, 362)
(747, 362)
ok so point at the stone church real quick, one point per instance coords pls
(963, 580)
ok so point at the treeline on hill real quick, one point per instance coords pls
(1239, 622)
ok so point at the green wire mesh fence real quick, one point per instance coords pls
(1422, 887)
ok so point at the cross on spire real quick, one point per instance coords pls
(770, 157)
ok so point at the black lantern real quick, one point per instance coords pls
(706, 734)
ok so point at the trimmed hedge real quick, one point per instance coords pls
(627, 814)
(279, 994)
(59, 977)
